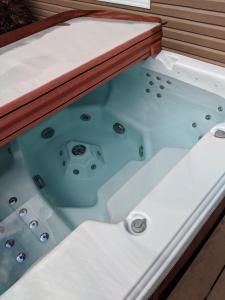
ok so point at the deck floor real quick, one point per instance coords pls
(205, 277)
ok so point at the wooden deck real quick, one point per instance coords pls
(205, 277)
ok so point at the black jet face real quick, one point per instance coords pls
(79, 150)
(47, 133)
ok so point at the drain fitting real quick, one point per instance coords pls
(220, 134)
(136, 223)
(219, 131)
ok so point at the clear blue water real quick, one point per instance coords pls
(75, 154)
(156, 112)
(73, 180)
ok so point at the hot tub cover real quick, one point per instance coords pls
(48, 65)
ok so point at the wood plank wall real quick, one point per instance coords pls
(194, 27)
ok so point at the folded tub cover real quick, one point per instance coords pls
(48, 65)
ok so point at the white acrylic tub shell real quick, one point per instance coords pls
(104, 261)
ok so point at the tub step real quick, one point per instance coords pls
(123, 191)
(142, 182)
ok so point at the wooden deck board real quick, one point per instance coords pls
(205, 277)
(218, 291)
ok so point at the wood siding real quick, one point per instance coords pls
(194, 27)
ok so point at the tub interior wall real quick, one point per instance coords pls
(75, 165)
(152, 112)
(25, 219)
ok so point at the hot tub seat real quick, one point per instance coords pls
(123, 191)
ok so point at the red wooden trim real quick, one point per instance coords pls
(66, 77)
(72, 90)
(35, 122)
(156, 48)
(123, 16)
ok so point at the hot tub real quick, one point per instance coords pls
(100, 200)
